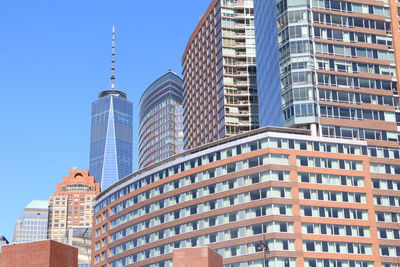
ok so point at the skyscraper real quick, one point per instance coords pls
(161, 120)
(219, 73)
(111, 134)
(32, 223)
(324, 192)
(71, 204)
(336, 70)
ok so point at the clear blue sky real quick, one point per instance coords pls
(54, 60)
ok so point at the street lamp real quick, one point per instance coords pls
(263, 245)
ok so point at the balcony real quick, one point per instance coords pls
(241, 54)
(242, 73)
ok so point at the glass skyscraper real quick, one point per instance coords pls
(161, 120)
(111, 134)
(32, 224)
(111, 138)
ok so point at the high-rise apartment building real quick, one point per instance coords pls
(395, 25)
(336, 67)
(219, 73)
(161, 120)
(32, 223)
(72, 203)
(111, 134)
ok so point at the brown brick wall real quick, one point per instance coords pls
(196, 257)
(45, 253)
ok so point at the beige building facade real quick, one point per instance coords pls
(71, 204)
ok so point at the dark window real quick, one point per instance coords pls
(348, 230)
(283, 227)
(384, 251)
(285, 244)
(253, 162)
(307, 211)
(212, 204)
(253, 146)
(282, 210)
(280, 176)
(382, 233)
(350, 248)
(211, 221)
(213, 238)
(254, 195)
(211, 189)
(231, 167)
(257, 229)
(325, 246)
(310, 246)
(234, 233)
(303, 161)
(176, 215)
(193, 210)
(323, 229)
(305, 178)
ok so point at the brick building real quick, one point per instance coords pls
(316, 201)
(71, 204)
(196, 257)
(46, 253)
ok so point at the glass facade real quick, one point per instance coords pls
(111, 138)
(315, 200)
(269, 93)
(336, 66)
(32, 223)
(161, 120)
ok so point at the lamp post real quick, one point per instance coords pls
(263, 245)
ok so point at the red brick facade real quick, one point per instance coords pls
(196, 257)
(45, 253)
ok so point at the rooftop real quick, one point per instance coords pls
(38, 204)
(216, 143)
(112, 92)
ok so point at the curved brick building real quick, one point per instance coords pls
(161, 120)
(317, 202)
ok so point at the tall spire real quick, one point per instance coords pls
(113, 59)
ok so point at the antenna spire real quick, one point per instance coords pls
(113, 59)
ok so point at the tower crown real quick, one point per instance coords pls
(112, 90)
(113, 59)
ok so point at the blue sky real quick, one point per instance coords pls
(54, 60)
